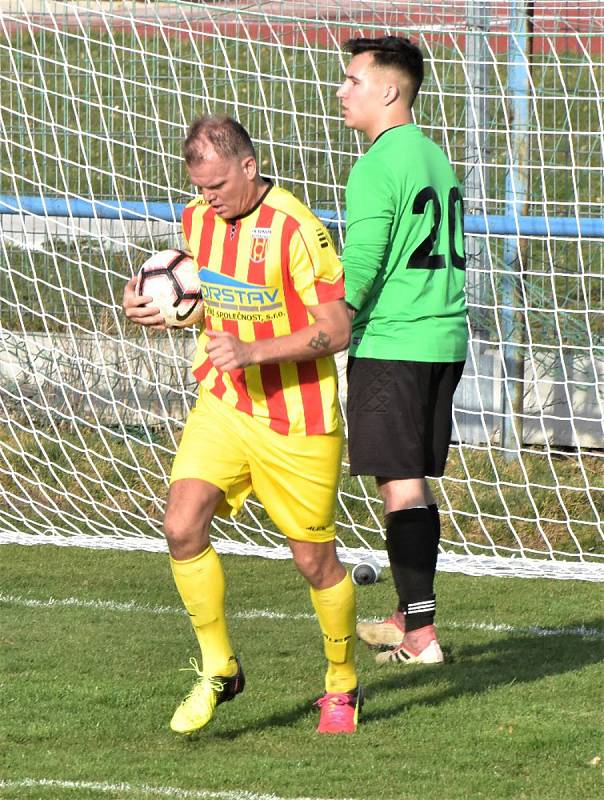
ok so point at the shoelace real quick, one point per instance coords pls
(336, 703)
(214, 683)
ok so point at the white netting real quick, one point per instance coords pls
(95, 99)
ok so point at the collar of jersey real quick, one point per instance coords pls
(393, 128)
(256, 205)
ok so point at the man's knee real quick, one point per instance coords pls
(188, 517)
(405, 493)
(307, 564)
(318, 563)
(184, 532)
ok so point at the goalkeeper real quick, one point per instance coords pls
(266, 418)
(404, 269)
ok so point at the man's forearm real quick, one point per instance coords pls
(329, 333)
(307, 344)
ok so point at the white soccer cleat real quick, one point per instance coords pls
(432, 654)
(387, 633)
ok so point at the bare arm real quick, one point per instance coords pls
(329, 333)
(136, 308)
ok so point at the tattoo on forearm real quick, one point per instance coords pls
(321, 341)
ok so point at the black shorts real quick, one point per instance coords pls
(400, 416)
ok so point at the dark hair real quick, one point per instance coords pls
(393, 51)
(228, 138)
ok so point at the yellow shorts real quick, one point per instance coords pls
(294, 477)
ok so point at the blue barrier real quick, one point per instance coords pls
(493, 224)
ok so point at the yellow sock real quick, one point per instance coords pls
(336, 610)
(200, 582)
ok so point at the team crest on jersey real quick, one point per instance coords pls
(258, 250)
(227, 298)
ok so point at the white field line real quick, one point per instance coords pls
(131, 606)
(145, 789)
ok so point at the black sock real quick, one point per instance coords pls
(435, 517)
(412, 542)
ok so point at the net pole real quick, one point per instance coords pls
(476, 178)
(515, 248)
(476, 189)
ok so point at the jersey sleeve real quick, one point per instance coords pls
(186, 223)
(369, 214)
(315, 267)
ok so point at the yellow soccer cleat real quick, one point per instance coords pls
(197, 709)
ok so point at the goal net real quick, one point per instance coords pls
(95, 100)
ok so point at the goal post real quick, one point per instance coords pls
(95, 99)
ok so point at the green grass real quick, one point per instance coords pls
(88, 691)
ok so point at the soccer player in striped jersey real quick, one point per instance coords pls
(266, 418)
(404, 270)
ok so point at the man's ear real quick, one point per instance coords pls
(391, 93)
(249, 166)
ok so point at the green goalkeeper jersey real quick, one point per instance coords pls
(404, 263)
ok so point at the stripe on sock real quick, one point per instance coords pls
(423, 607)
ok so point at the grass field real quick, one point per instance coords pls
(92, 643)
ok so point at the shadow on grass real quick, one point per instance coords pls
(469, 670)
(473, 669)
(289, 716)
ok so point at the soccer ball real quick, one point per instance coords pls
(170, 278)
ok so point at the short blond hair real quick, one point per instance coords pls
(227, 137)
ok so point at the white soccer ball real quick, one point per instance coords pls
(170, 277)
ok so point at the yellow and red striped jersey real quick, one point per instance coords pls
(259, 274)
